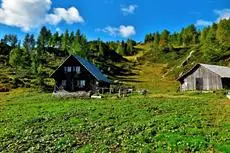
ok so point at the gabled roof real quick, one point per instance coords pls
(91, 68)
(222, 71)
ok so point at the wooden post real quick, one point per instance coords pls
(110, 91)
(119, 93)
(102, 91)
(123, 93)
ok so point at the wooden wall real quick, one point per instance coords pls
(72, 77)
(210, 80)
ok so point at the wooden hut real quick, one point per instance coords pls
(205, 77)
(78, 74)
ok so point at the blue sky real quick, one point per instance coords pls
(109, 19)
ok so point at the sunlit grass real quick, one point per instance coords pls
(38, 122)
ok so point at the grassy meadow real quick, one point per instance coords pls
(39, 122)
(161, 121)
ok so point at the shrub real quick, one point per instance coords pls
(16, 82)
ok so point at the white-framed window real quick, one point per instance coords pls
(76, 69)
(65, 69)
(81, 83)
(63, 83)
(69, 69)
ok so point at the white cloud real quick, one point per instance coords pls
(128, 9)
(110, 30)
(70, 16)
(28, 14)
(127, 31)
(58, 30)
(203, 23)
(223, 14)
(123, 31)
(24, 14)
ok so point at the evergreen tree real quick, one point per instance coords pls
(223, 32)
(156, 38)
(78, 35)
(120, 49)
(204, 34)
(130, 49)
(43, 39)
(149, 37)
(16, 58)
(29, 43)
(189, 35)
(164, 38)
(101, 49)
(211, 35)
(56, 41)
(36, 61)
(11, 40)
(65, 41)
(71, 37)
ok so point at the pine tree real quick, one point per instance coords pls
(156, 38)
(211, 35)
(65, 41)
(29, 43)
(43, 39)
(56, 42)
(164, 38)
(120, 49)
(223, 32)
(11, 40)
(130, 50)
(16, 58)
(101, 49)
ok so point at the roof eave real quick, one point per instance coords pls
(51, 76)
(183, 75)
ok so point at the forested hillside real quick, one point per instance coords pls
(29, 62)
(181, 50)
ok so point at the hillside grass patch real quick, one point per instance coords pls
(38, 122)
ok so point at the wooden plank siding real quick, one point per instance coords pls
(72, 78)
(69, 77)
(208, 79)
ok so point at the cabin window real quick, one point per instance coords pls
(69, 69)
(81, 83)
(63, 83)
(65, 69)
(76, 69)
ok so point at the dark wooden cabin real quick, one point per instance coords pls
(78, 74)
(204, 77)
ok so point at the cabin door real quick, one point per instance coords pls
(199, 84)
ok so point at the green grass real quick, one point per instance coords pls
(150, 76)
(38, 122)
(162, 121)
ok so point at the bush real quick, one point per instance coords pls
(16, 82)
